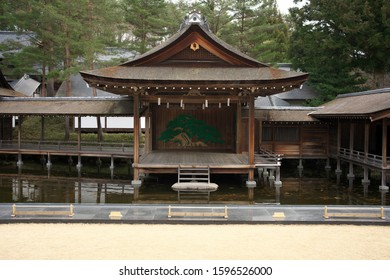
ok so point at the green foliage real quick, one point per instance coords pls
(148, 20)
(55, 127)
(258, 29)
(333, 39)
(64, 34)
(217, 13)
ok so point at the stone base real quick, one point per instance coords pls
(136, 183)
(251, 184)
(278, 184)
(365, 182)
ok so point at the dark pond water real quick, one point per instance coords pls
(65, 185)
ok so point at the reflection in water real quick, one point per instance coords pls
(60, 190)
(295, 191)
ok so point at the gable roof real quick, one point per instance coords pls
(195, 32)
(25, 85)
(372, 104)
(6, 89)
(306, 93)
(79, 88)
(271, 101)
(194, 57)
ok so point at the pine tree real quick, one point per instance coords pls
(268, 36)
(148, 22)
(217, 13)
(332, 40)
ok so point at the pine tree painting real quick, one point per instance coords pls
(187, 131)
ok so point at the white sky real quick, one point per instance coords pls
(284, 5)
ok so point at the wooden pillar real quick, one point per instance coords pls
(366, 180)
(251, 134)
(383, 185)
(366, 139)
(136, 127)
(251, 183)
(238, 128)
(384, 142)
(351, 175)
(79, 165)
(260, 132)
(79, 134)
(19, 162)
(338, 168)
(351, 135)
(147, 130)
(42, 128)
(20, 119)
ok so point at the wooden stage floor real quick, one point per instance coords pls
(160, 161)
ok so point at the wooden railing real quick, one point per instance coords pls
(65, 145)
(263, 155)
(358, 156)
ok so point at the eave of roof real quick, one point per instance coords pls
(262, 81)
(373, 104)
(67, 106)
(284, 114)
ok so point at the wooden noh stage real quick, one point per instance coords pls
(192, 89)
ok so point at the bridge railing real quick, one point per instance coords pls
(367, 158)
(66, 145)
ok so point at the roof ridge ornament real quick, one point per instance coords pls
(195, 17)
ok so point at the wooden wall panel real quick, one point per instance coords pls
(296, 140)
(314, 141)
(222, 119)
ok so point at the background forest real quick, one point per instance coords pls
(343, 44)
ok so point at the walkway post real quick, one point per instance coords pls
(338, 168)
(20, 162)
(79, 165)
(383, 185)
(366, 180)
(136, 183)
(238, 128)
(251, 183)
(351, 175)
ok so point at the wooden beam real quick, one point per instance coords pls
(380, 115)
(196, 99)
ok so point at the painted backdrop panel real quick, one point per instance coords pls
(193, 128)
